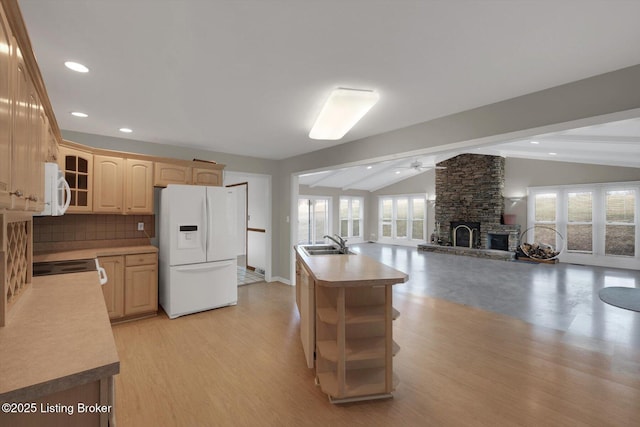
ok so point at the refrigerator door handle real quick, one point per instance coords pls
(204, 267)
(205, 221)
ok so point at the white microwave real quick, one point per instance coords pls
(57, 194)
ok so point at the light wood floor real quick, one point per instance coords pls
(458, 366)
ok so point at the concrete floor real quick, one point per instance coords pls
(560, 296)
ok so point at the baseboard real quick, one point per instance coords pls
(280, 279)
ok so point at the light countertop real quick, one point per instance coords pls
(350, 270)
(92, 253)
(58, 336)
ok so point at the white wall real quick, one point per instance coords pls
(259, 203)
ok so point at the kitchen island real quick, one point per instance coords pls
(58, 355)
(346, 315)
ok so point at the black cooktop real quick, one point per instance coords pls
(63, 267)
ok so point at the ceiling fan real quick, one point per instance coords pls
(417, 166)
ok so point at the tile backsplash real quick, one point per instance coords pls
(77, 227)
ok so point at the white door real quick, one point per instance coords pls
(222, 223)
(182, 224)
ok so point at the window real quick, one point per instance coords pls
(598, 222)
(580, 221)
(351, 217)
(386, 217)
(313, 219)
(620, 227)
(418, 218)
(545, 218)
(402, 218)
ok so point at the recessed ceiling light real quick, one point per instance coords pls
(75, 66)
(125, 130)
(369, 167)
(552, 154)
(397, 172)
(535, 142)
(342, 110)
(79, 114)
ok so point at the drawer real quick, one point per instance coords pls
(141, 259)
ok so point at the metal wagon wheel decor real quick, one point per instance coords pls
(541, 250)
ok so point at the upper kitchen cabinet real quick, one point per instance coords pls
(122, 185)
(207, 176)
(108, 187)
(27, 160)
(6, 67)
(78, 171)
(171, 173)
(27, 123)
(138, 182)
(185, 172)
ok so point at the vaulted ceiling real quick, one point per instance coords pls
(249, 77)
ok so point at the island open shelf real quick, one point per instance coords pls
(351, 324)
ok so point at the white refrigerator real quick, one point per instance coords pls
(197, 249)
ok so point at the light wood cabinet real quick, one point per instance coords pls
(108, 184)
(77, 166)
(20, 135)
(26, 130)
(131, 290)
(23, 126)
(141, 284)
(169, 173)
(138, 186)
(6, 70)
(204, 176)
(305, 296)
(346, 324)
(354, 344)
(122, 185)
(114, 288)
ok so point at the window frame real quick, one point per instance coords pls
(598, 222)
(350, 235)
(394, 239)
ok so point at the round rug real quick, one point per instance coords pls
(627, 298)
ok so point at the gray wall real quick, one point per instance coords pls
(606, 97)
(594, 100)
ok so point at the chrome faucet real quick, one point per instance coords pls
(340, 241)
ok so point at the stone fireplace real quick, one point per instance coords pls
(469, 193)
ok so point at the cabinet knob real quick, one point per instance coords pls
(17, 193)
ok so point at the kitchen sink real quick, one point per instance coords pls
(324, 250)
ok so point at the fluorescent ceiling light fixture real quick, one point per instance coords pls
(75, 66)
(343, 109)
(125, 130)
(79, 114)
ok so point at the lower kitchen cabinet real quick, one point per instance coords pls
(113, 289)
(132, 287)
(354, 344)
(141, 284)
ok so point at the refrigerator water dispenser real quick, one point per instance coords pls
(188, 237)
